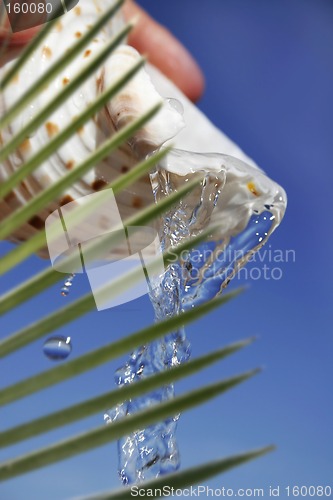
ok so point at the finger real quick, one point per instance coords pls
(165, 52)
(12, 43)
(17, 39)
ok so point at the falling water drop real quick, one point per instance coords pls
(57, 348)
(67, 284)
(175, 104)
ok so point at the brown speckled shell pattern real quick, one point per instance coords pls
(101, 126)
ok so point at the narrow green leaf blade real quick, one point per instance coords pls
(38, 241)
(86, 303)
(27, 52)
(104, 354)
(183, 479)
(101, 435)
(111, 399)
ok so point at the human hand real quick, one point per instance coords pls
(148, 37)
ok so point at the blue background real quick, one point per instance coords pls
(268, 66)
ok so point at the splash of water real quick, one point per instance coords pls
(196, 277)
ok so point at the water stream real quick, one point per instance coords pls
(196, 277)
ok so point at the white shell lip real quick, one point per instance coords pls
(136, 98)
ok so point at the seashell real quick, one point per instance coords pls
(246, 189)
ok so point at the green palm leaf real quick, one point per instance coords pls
(99, 403)
(100, 435)
(180, 480)
(37, 284)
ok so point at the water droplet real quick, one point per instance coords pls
(107, 419)
(79, 99)
(140, 370)
(68, 283)
(177, 105)
(57, 348)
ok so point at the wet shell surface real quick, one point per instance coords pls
(247, 188)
